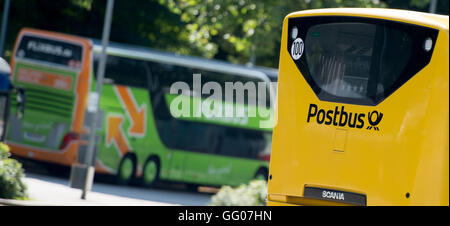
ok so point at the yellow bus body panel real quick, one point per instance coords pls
(408, 155)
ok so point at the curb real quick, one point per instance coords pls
(13, 202)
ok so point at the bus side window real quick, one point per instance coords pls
(198, 136)
(236, 142)
(123, 71)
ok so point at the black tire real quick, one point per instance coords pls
(192, 187)
(150, 173)
(261, 173)
(126, 173)
(57, 170)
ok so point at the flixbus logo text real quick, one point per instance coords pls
(339, 117)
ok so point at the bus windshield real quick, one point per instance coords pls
(52, 51)
(344, 65)
(356, 61)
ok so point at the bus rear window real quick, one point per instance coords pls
(50, 51)
(360, 60)
(341, 55)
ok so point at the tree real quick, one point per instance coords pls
(240, 31)
(145, 23)
(244, 31)
(419, 5)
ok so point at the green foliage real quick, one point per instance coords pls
(144, 23)
(243, 31)
(252, 194)
(240, 31)
(11, 173)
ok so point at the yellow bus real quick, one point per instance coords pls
(362, 115)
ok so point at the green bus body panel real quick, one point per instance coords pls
(48, 114)
(194, 113)
(179, 165)
(50, 109)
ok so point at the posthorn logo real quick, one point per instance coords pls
(373, 123)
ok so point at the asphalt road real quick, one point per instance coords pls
(171, 194)
(167, 195)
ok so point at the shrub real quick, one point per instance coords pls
(11, 173)
(252, 194)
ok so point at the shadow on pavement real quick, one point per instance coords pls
(165, 192)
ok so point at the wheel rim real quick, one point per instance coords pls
(150, 172)
(127, 169)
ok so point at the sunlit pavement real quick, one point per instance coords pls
(49, 190)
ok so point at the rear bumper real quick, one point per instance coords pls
(66, 157)
(275, 203)
(284, 200)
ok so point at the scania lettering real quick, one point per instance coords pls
(333, 195)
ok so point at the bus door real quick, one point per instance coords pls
(6, 90)
(198, 159)
(124, 108)
(241, 138)
(55, 70)
(5, 86)
(183, 137)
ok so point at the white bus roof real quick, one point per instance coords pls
(145, 53)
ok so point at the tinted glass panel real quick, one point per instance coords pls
(359, 60)
(3, 112)
(124, 71)
(173, 73)
(50, 50)
(198, 136)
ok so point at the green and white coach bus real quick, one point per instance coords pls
(139, 134)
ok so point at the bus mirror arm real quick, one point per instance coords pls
(21, 98)
(108, 81)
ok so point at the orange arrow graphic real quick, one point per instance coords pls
(137, 115)
(115, 133)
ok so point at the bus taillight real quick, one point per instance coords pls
(67, 139)
(265, 157)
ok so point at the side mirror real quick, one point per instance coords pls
(21, 98)
(108, 81)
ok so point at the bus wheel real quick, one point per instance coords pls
(192, 187)
(150, 174)
(127, 170)
(261, 174)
